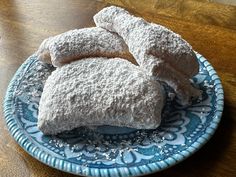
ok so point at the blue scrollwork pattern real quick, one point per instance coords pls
(181, 126)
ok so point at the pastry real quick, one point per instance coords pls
(102, 87)
(82, 43)
(160, 51)
(100, 91)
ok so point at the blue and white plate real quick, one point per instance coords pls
(110, 151)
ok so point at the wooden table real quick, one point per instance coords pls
(209, 27)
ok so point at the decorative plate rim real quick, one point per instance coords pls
(64, 165)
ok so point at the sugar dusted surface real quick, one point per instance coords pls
(158, 50)
(81, 43)
(100, 91)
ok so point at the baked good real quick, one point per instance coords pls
(100, 91)
(158, 50)
(82, 43)
(102, 87)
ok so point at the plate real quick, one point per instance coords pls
(110, 151)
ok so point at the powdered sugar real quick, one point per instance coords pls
(81, 43)
(157, 49)
(99, 91)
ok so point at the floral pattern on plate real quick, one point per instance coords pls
(113, 151)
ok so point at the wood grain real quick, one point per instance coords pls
(188, 10)
(209, 27)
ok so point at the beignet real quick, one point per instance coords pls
(100, 91)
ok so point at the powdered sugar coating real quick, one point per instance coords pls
(82, 43)
(159, 50)
(146, 39)
(100, 91)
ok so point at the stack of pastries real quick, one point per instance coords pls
(112, 74)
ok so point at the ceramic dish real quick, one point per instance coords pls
(110, 151)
